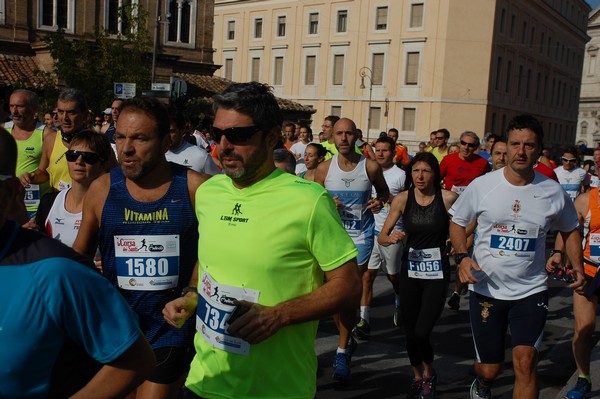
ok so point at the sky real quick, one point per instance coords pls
(593, 3)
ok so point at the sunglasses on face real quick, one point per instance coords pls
(470, 145)
(88, 157)
(235, 135)
(440, 138)
(571, 160)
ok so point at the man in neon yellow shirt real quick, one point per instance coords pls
(264, 257)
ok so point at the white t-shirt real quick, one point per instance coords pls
(298, 149)
(512, 223)
(572, 180)
(194, 158)
(395, 179)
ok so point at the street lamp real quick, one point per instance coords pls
(155, 47)
(366, 72)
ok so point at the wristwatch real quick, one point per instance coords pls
(459, 257)
(189, 289)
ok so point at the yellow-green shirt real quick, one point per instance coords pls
(277, 237)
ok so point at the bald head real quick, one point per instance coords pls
(8, 153)
(344, 136)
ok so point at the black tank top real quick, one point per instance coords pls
(426, 226)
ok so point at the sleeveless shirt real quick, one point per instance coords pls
(142, 243)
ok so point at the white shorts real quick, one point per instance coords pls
(387, 258)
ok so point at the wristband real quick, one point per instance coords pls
(189, 289)
(459, 257)
(556, 251)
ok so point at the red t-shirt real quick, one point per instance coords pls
(458, 173)
(545, 170)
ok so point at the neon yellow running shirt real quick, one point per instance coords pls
(275, 237)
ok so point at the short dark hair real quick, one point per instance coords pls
(333, 119)
(152, 108)
(71, 94)
(433, 163)
(527, 122)
(498, 140)
(253, 99)
(282, 155)
(98, 142)
(445, 131)
(569, 149)
(394, 130)
(388, 140)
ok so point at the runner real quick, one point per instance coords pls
(268, 351)
(349, 178)
(425, 271)
(143, 216)
(514, 208)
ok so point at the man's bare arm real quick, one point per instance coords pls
(121, 376)
(341, 291)
(86, 241)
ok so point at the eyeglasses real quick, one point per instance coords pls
(235, 135)
(470, 145)
(571, 160)
(440, 137)
(88, 157)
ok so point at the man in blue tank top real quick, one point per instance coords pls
(143, 216)
(58, 338)
(349, 178)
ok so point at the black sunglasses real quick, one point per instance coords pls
(88, 157)
(470, 145)
(235, 135)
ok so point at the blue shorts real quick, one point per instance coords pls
(490, 319)
(365, 249)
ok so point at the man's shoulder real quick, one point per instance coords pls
(31, 246)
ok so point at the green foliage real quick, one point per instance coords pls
(94, 62)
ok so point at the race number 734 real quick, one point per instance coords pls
(215, 319)
(147, 267)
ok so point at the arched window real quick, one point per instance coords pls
(182, 22)
(584, 128)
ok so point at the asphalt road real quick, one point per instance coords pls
(380, 367)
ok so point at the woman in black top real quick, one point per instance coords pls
(425, 272)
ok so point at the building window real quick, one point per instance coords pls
(2, 12)
(381, 18)
(519, 80)
(412, 68)
(255, 69)
(377, 68)
(342, 21)
(229, 68)
(513, 22)
(498, 73)
(338, 69)
(528, 83)
(57, 13)
(182, 25)
(524, 33)
(278, 73)
(502, 20)
(416, 15)
(584, 128)
(313, 23)
(281, 26)
(230, 30)
(542, 37)
(309, 72)
(119, 14)
(508, 77)
(336, 110)
(408, 119)
(374, 118)
(532, 37)
(258, 28)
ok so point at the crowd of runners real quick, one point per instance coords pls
(142, 258)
